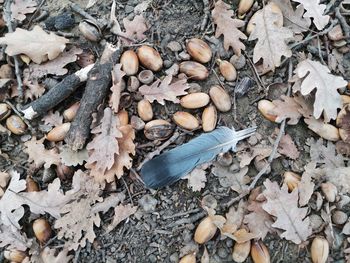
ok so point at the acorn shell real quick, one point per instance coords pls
(205, 231)
(209, 118)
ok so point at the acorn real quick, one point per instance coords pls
(209, 118)
(319, 250)
(123, 117)
(185, 120)
(292, 180)
(150, 58)
(70, 113)
(205, 231)
(339, 217)
(194, 70)
(220, 98)
(15, 255)
(86, 58)
(330, 191)
(58, 133)
(146, 76)
(90, 30)
(195, 100)
(144, 109)
(32, 186)
(244, 6)
(265, 107)
(190, 258)
(64, 172)
(5, 111)
(130, 62)
(158, 130)
(241, 251)
(16, 125)
(199, 50)
(227, 70)
(137, 123)
(42, 230)
(325, 130)
(259, 252)
(133, 84)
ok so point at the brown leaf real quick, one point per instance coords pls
(306, 108)
(272, 38)
(260, 152)
(227, 26)
(48, 255)
(53, 118)
(196, 179)
(165, 90)
(117, 78)
(56, 66)
(242, 236)
(32, 87)
(315, 10)
(134, 29)
(325, 154)
(289, 217)
(19, 8)
(286, 108)
(317, 76)
(104, 146)
(293, 18)
(121, 212)
(36, 44)
(306, 186)
(288, 148)
(72, 158)
(234, 218)
(39, 155)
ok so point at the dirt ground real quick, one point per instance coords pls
(162, 229)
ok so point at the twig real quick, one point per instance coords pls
(182, 214)
(206, 11)
(77, 9)
(272, 155)
(7, 16)
(217, 77)
(127, 188)
(255, 72)
(159, 149)
(34, 14)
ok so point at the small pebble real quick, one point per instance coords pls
(61, 22)
(148, 203)
(152, 258)
(222, 252)
(238, 61)
(128, 9)
(184, 56)
(174, 46)
(174, 258)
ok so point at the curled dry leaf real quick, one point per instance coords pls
(134, 29)
(53, 118)
(117, 86)
(316, 11)
(196, 179)
(56, 66)
(19, 8)
(13, 239)
(272, 38)
(228, 26)
(165, 90)
(121, 212)
(325, 154)
(317, 76)
(289, 217)
(38, 45)
(234, 219)
(288, 148)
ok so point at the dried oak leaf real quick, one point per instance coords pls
(53, 118)
(19, 8)
(234, 218)
(73, 158)
(258, 220)
(117, 78)
(4, 179)
(340, 177)
(122, 160)
(271, 44)
(48, 255)
(289, 217)
(33, 89)
(306, 108)
(104, 146)
(38, 45)
(293, 19)
(260, 152)
(196, 179)
(306, 186)
(13, 238)
(286, 108)
(134, 29)
(287, 147)
(316, 11)
(56, 66)
(165, 90)
(227, 26)
(325, 154)
(121, 212)
(39, 155)
(317, 76)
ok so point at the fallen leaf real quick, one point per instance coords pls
(48, 255)
(325, 154)
(234, 218)
(39, 155)
(289, 217)
(288, 148)
(73, 158)
(343, 123)
(237, 180)
(36, 44)
(286, 108)
(134, 29)
(316, 11)
(19, 8)
(13, 238)
(121, 212)
(340, 177)
(196, 179)
(33, 89)
(53, 118)
(142, 7)
(117, 78)
(227, 26)
(272, 38)
(242, 236)
(306, 186)
(56, 66)
(260, 152)
(4, 179)
(165, 90)
(317, 76)
(306, 108)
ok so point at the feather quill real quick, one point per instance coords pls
(170, 166)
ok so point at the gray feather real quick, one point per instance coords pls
(170, 166)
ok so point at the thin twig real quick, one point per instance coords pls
(206, 10)
(34, 14)
(127, 188)
(255, 72)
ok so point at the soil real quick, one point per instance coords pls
(162, 229)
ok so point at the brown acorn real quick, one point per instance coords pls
(319, 250)
(130, 62)
(209, 118)
(190, 258)
(241, 251)
(42, 230)
(70, 113)
(259, 252)
(220, 98)
(158, 130)
(123, 117)
(195, 100)
(199, 50)
(265, 107)
(144, 109)
(15, 255)
(90, 30)
(227, 70)
(185, 120)
(244, 6)
(291, 179)
(194, 70)
(330, 191)
(150, 58)
(32, 186)
(205, 231)
(16, 125)
(58, 133)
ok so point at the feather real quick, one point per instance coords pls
(170, 166)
